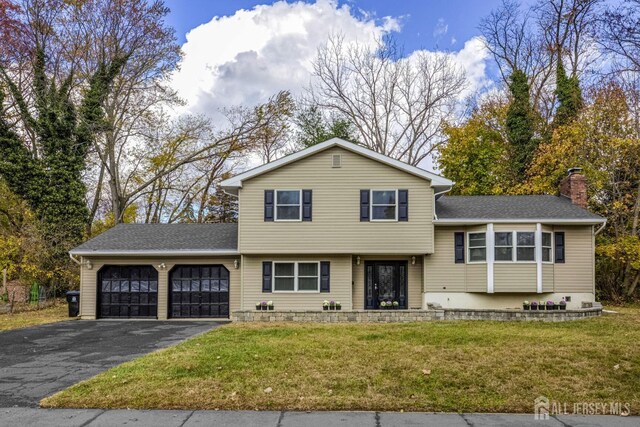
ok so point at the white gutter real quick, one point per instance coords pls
(601, 228)
(153, 253)
(77, 261)
(435, 198)
(471, 221)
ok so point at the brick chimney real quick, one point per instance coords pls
(574, 187)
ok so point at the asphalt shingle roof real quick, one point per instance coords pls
(164, 237)
(511, 207)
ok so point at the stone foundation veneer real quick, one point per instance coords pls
(402, 316)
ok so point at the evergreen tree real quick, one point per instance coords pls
(520, 122)
(314, 129)
(49, 177)
(569, 96)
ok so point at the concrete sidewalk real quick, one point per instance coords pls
(135, 418)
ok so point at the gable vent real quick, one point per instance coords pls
(336, 161)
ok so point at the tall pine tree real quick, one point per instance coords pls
(520, 122)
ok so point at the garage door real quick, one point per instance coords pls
(128, 291)
(199, 291)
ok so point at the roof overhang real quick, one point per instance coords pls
(176, 253)
(563, 221)
(232, 184)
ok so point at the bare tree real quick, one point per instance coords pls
(397, 105)
(621, 35)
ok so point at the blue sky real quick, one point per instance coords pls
(419, 18)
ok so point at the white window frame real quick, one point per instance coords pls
(552, 248)
(516, 246)
(513, 249)
(476, 247)
(295, 277)
(371, 206)
(275, 206)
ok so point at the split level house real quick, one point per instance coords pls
(339, 222)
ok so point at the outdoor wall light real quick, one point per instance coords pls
(236, 264)
(89, 265)
(413, 260)
(358, 260)
(162, 266)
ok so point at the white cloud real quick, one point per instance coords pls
(441, 28)
(245, 58)
(249, 56)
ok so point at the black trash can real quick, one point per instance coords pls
(73, 299)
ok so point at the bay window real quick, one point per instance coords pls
(526, 246)
(504, 246)
(546, 247)
(477, 247)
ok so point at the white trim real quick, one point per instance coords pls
(115, 252)
(472, 221)
(295, 277)
(490, 257)
(468, 254)
(538, 257)
(371, 207)
(275, 206)
(235, 182)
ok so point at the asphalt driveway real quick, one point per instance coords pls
(39, 361)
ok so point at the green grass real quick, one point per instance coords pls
(28, 316)
(474, 367)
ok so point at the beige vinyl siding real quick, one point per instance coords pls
(514, 277)
(476, 277)
(89, 279)
(547, 278)
(576, 274)
(414, 280)
(441, 273)
(340, 283)
(336, 226)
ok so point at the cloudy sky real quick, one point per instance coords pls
(240, 52)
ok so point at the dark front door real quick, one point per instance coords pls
(385, 281)
(199, 291)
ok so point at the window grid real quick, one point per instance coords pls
(296, 276)
(477, 243)
(278, 205)
(382, 205)
(523, 256)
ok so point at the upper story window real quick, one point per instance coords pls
(288, 205)
(477, 247)
(546, 247)
(296, 277)
(384, 205)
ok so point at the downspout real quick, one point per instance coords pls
(435, 197)
(74, 259)
(601, 228)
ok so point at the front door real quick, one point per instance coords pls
(385, 281)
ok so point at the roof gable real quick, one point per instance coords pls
(231, 185)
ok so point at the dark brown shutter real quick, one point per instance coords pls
(324, 276)
(403, 205)
(268, 205)
(364, 205)
(306, 205)
(459, 247)
(266, 276)
(560, 245)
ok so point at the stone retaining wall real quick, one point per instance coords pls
(396, 316)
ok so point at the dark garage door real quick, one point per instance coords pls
(199, 291)
(128, 291)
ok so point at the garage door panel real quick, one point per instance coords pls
(199, 291)
(128, 291)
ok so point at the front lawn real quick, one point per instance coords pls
(438, 366)
(30, 316)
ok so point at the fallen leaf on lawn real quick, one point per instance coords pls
(426, 371)
(219, 368)
(218, 357)
(268, 390)
(616, 367)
